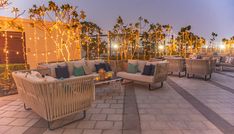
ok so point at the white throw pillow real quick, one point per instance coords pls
(141, 65)
(133, 62)
(227, 59)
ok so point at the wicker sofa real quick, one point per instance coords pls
(160, 74)
(203, 67)
(176, 65)
(225, 61)
(54, 99)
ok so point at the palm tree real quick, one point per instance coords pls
(212, 40)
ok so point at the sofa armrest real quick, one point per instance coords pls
(161, 72)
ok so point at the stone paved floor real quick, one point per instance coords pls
(182, 106)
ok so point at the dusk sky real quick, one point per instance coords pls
(205, 16)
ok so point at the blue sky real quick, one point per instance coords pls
(205, 16)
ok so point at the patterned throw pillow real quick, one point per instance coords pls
(87, 69)
(132, 68)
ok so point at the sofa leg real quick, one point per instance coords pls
(207, 78)
(179, 75)
(151, 89)
(51, 128)
(188, 75)
(26, 108)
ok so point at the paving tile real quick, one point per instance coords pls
(92, 132)
(118, 125)
(116, 105)
(56, 131)
(104, 125)
(172, 132)
(151, 132)
(73, 125)
(18, 129)
(159, 125)
(72, 131)
(131, 132)
(4, 128)
(86, 124)
(94, 110)
(112, 132)
(22, 114)
(108, 111)
(9, 114)
(197, 125)
(19, 122)
(35, 130)
(115, 117)
(99, 117)
(103, 105)
(31, 122)
(147, 117)
(178, 125)
(6, 120)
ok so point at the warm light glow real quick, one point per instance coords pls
(115, 46)
(222, 46)
(161, 47)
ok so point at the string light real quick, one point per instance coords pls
(6, 74)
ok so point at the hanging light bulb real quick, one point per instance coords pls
(17, 53)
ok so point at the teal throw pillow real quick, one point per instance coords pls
(78, 71)
(132, 68)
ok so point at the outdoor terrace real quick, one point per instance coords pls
(182, 106)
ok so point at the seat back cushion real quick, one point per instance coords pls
(141, 65)
(135, 62)
(87, 70)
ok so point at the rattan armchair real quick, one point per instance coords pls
(56, 99)
(176, 65)
(203, 67)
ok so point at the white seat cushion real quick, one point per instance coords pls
(136, 77)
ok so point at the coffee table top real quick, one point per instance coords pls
(113, 79)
